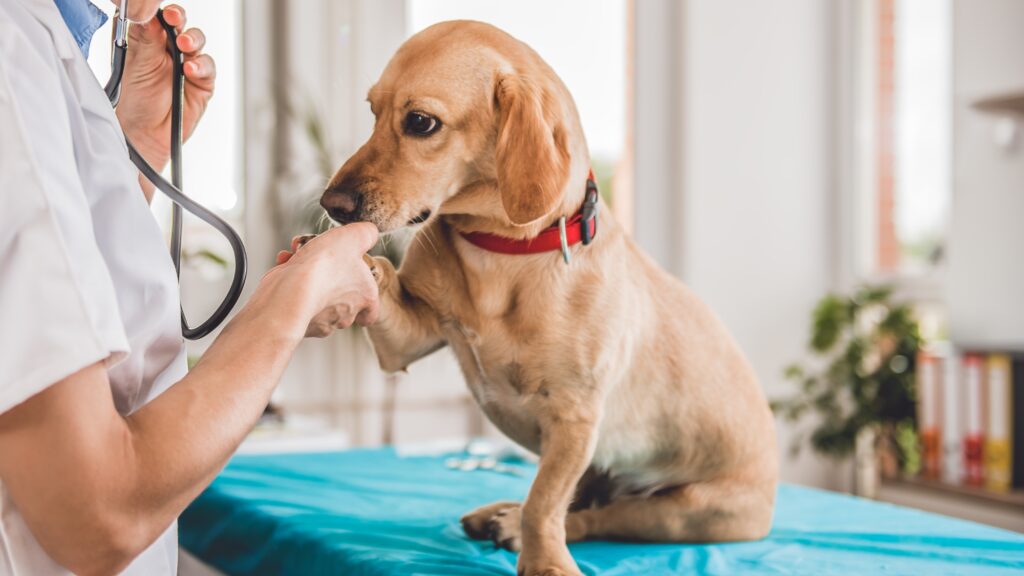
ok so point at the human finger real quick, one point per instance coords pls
(358, 237)
(175, 16)
(369, 315)
(200, 69)
(191, 41)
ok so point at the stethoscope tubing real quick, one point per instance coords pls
(173, 188)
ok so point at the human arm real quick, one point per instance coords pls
(96, 488)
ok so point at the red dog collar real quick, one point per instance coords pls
(582, 227)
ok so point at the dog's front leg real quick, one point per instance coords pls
(407, 329)
(568, 436)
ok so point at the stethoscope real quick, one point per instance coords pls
(119, 48)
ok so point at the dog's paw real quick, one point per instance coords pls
(371, 263)
(495, 522)
(506, 528)
(381, 268)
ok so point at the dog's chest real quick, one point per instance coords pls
(506, 326)
(500, 371)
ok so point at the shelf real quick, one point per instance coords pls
(1011, 103)
(1014, 498)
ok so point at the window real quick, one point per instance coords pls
(904, 119)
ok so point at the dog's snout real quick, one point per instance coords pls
(343, 205)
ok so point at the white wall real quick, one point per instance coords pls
(755, 163)
(986, 251)
(657, 130)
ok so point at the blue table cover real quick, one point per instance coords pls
(377, 513)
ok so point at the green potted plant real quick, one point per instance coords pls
(860, 380)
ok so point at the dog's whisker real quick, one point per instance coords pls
(425, 237)
(323, 223)
(428, 233)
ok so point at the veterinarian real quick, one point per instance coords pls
(104, 435)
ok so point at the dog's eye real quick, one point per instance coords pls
(420, 124)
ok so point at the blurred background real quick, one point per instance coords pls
(841, 180)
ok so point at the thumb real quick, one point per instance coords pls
(359, 236)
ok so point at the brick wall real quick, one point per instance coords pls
(888, 256)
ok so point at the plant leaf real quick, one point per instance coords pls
(829, 319)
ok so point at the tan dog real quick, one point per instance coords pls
(649, 423)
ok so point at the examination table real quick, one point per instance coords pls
(376, 512)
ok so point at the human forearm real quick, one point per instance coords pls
(185, 436)
(96, 488)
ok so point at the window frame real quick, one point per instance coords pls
(855, 206)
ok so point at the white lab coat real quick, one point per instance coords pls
(84, 272)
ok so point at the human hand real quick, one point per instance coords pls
(335, 262)
(144, 110)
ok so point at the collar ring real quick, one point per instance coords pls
(564, 240)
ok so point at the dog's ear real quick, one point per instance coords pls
(532, 153)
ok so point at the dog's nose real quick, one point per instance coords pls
(343, 205)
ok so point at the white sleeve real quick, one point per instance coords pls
(58, 305)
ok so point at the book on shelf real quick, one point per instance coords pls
(998, 430)
(974, 418)
(929, 412)
(952, 434)
(970, 417)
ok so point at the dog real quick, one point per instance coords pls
(649, 423)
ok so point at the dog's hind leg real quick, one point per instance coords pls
(717, 511)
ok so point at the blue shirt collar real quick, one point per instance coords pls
(83, 19)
